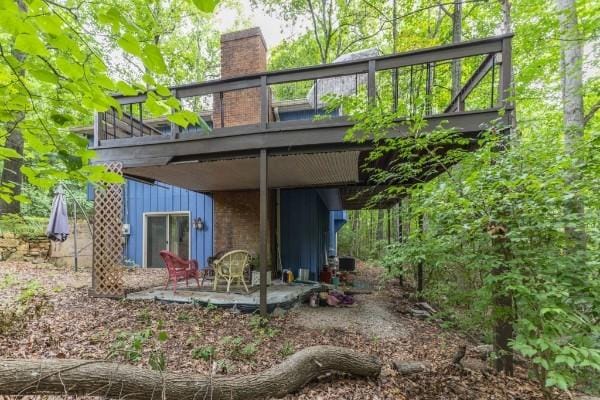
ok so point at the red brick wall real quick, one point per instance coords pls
(237, 213)
(237, 221)
(242, 53)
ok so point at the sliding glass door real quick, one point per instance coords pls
(166, 232)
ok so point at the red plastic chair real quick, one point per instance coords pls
(180, 269)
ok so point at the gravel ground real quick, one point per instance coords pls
(371, 317)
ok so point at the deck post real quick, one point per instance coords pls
(264, 102)
(97, 127)
(371, 85)
(429, 90)
(174, 127)
(263, 232)
(505, 73)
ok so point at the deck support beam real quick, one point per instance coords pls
(263, 231)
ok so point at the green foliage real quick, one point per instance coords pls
(337, 27)
(145, 317)
(183, 316)
(287, 349)
(26, 227)
(262, 327)
(205, 353)
(249, 350)
(236, 348)
(7, 281)
(224, 366)
(158, 361)
(130, 345)
(61, 62)
(30, 304)
(522, 189)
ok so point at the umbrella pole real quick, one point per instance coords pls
(75, 236)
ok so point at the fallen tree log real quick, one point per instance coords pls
(410, 367)
(114, 380)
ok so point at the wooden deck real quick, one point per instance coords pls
(134, 142)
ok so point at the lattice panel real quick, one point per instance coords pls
(107, 272)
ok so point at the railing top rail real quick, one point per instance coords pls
(413, 57)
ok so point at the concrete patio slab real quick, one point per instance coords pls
(278, 295)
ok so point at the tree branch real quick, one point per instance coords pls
(591, 113)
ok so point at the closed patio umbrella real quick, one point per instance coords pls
(58, 226)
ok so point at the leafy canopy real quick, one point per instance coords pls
(54, 73)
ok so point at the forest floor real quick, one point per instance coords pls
(198, 340)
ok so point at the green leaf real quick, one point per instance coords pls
(556, 379)
(31, 44)
(77, 140)
(130, 44)
(206, 6)
(71, 162)
(563, 359)
(50, 24)
(149, 80)
(22, 199)
(7, 152)
(155, 107)
(43, 75)
(183, 118)
(163, 91)
(111, 17)
(60, 119)
(126, 89)
(153, 59)
(70, 69)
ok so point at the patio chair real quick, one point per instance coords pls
(230, 267)
(180, 269)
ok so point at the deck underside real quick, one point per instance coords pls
(313, 154)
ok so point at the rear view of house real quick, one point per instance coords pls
(274, 171)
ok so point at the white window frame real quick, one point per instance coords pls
(164, 214)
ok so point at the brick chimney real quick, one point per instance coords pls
(242, 53)
(237, 213)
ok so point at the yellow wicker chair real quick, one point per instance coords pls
(230, 267)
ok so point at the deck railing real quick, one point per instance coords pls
(415, 82)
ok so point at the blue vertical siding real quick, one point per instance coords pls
(141, 198)
(304, 231)
(337, 219)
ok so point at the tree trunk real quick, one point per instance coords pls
(572, 79)
(506, 18)
(405, 218)
(380, 225)
(116, 381)
(11, 170)
(355, 232)
(456, 38)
